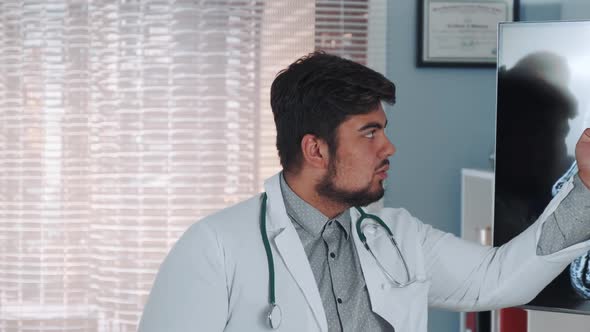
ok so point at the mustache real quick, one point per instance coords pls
(383, 164)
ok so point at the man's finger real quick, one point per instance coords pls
(586, 136)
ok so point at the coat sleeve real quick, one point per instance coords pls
(468, 276)
(190, 290)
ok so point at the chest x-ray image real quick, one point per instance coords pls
(543, 97)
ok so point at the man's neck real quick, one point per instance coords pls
(304, 187)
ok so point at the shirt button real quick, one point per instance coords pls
(339, 300)
(333, 255)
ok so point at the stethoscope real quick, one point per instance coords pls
(275, 314)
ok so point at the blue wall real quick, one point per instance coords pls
(443, 120)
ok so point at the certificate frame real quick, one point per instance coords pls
(461, 33)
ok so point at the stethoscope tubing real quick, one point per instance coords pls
(269, 256)
(363, 239)
(273, 306)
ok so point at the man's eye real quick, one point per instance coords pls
(370, 134)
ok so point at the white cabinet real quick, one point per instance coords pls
(477, 215)
(477, 210)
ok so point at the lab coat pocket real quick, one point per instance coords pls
(405, 308)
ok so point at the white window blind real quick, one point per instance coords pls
(123, 122)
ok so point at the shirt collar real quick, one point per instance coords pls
(308, 217)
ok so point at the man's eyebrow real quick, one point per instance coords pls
(373, 125)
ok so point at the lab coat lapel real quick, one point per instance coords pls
(292, 253)
(291, 250)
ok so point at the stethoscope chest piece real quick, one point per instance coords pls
(275, 316)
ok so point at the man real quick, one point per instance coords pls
(295, 257)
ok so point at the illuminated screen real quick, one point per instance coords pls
(542, 101)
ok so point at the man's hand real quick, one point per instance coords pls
(583, 157)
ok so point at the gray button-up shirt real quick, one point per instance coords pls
(336, 267)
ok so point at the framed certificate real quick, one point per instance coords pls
(461, 32)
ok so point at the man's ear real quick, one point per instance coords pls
(314, 151)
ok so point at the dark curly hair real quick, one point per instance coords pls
(318, 92)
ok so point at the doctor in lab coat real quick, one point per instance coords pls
(216, 277)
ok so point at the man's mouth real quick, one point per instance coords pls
(382, 170)
(383, 167)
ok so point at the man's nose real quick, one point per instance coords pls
(389, 149)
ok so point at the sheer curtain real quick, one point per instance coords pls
(123, 122)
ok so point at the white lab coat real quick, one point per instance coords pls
(216, 276)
